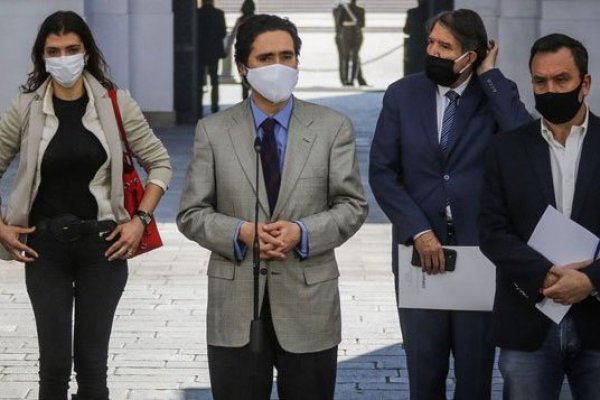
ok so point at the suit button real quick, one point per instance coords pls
(446, 177)
(263, 271)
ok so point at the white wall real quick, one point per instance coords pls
(136, 37)
(151, 46)
(581, 20)
(19, 23)
(518, 23)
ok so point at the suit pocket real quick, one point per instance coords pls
(321, 273)
(221, 269)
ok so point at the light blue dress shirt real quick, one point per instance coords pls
(282, 119)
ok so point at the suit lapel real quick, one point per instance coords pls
(36, 127)
(539, 153)
(467, 105)
(588, 165)
(428, 107)
(242, 135)
(299, 143)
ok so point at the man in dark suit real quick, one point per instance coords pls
(349, 21)
(552, 162)
(210, 34)
(426, 167)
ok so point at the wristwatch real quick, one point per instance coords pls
(145, 217)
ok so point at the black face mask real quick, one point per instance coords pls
(441, 70)
(558, 108)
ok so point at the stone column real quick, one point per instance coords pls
(487, 9)
(109, 21)
(515, 25)
(19, 24)
(151, 58)
(578, 19)
(519, 27)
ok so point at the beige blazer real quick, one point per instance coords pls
(320, 186)
(29, 124)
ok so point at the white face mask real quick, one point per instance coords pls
(66, 70)
(274, 82)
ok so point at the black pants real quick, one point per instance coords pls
(349, 42)
(211, 68)
(236, 373)
(67, 274)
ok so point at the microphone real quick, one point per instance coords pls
(257, 149)
(256, 326)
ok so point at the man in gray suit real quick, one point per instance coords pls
(311, 201)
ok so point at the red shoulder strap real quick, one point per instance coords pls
(112, 93)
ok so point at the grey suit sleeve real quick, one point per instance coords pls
(347, 205)
(198, 218)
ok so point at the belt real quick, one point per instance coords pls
(68, 227)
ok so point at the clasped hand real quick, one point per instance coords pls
(567, 284)
(276, 239)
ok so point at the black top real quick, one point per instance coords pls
(70, 162)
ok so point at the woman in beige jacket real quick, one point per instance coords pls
(65, 218)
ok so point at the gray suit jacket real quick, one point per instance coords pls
(320, 186)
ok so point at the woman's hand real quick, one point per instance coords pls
(130, 234)
(9, 237)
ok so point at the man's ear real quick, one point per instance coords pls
(241, 69)
(472, 57)
(586, 84)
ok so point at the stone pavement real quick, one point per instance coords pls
(158, 347)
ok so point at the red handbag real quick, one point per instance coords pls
(133, 190)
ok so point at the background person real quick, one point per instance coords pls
(349, 21)
(209, 40)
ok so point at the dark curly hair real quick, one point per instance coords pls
(258, 24)
(59, 23)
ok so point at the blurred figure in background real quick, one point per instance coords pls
(210, 34)
(247, 10)
(349, 22)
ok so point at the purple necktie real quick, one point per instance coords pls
(269, 158)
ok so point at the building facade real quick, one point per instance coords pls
(137, 37)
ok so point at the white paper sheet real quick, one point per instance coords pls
(470, 287)
(562, 241)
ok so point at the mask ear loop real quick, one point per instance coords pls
(245, 82)
(466, 66)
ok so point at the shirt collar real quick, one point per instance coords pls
(581, 129)
(48, 104)
(282, 117)
(460, 89)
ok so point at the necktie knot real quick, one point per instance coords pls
(268, 126)
(452, 96)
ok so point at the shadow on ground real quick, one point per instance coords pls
(374, 375)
